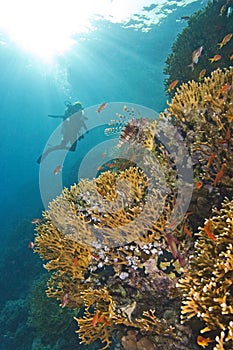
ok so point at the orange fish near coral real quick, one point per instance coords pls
(210, 161)
(226, 87)
(208, 231)
(225, 40)
(227, 137)
(229, 118)
(219, 174)
(75, 261)
(201, 74)
(172, 85)
(231, 57)
(102, 107)
(95, 319)
(195, 56)
(57, 169)
(187, 231)
(199, 185)
(215, 58)
(203, 341)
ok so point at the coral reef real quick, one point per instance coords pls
(95, 325)
(203, 114)
(205, 28)
(206, 284)
(117, 245)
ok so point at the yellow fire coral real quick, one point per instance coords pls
(208, 280)
(204, 113)
(95, 325)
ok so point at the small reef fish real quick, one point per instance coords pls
(229, 118)
(199, 185)
(95, 319)
(207, 229)
(215, 58)
(210, 160)
(203, 342)
(35, 221)
(187, 231)
(31, 245)
(229, 11)
(185, 18)
(225, 40)
(231, 57)
(195, 56)
(172, 85)
(57, 169)
(65, 299)
(172, 242)
(201, 74)
(227, 137)
(226, 87)
(102, 107)
(75, 261)
(219, 174)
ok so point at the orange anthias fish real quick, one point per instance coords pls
(201, 74)
(195, 56)
(229, 118)
(231, 57)
(210, 160)
(187, 231)
(227, 137)
(101, 107)
(199, 185)
(219, 174)
(203, 341)
(225, 40)
(215, 58)
(57, 169)
(226, 87)
(207, 229)
(95, 319)
(172, 85)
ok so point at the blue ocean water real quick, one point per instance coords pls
(112, 64)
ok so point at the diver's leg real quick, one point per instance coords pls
(52, 149)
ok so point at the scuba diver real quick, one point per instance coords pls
(73, 122)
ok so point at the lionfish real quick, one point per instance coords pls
(131, 129)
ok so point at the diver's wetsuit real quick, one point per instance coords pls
(71, 126)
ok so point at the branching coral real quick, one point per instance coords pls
(116, 243)
(95, 325)
(204, 114)
(207, 281)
